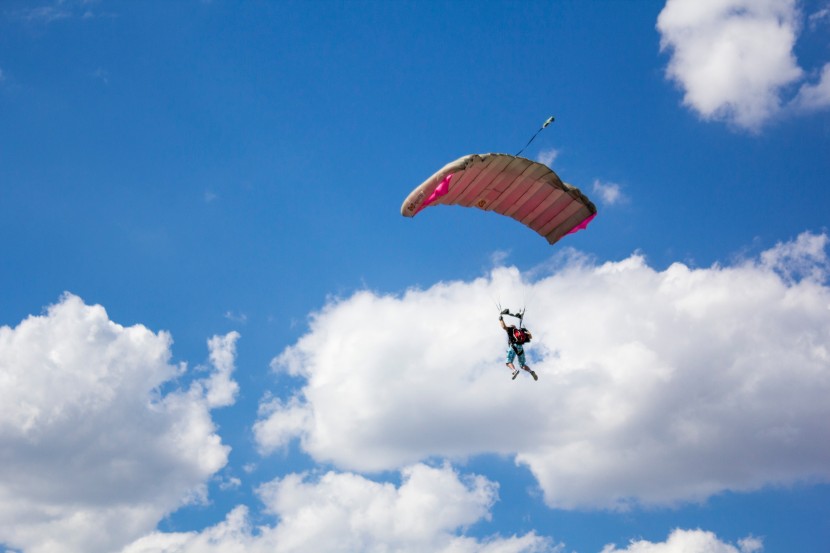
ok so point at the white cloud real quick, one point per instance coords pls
(547, 157)
(609, 193)
(344, 512)
(689, 541)
(499, 257)
(220, 388)
(655, 386)
(732, 58)
(236, 317)
(229, 483)
(57, 10)
(429, 511)
(45, 14)
(805, 257)
(750, 544)
(280, 422)
(819, 17)
(816, 96)
(102, 75)
(93, 454)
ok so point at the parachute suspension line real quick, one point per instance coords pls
(524, 305)
(526, 299)
(544, 125)
(496, 300)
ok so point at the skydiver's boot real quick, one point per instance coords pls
(515, 373)
(533, 374)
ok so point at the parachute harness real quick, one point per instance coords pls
(519, 315)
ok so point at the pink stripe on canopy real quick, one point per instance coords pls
(583, 225)
(439, 191)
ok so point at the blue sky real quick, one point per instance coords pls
(217, 332)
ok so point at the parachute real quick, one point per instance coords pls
(517, 187)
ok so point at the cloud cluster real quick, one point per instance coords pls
(655, 386)
(344, 512)
(429, 511)
(93, 454)
(689, 541)
(734, 59)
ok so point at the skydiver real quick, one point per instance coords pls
(516, 338)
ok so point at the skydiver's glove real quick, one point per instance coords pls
(501, 318)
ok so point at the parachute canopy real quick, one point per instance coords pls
(527, 191)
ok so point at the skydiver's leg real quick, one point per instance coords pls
(525, 366)
(531, 371)
(510, 356)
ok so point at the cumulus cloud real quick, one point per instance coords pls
(734, 58)
(689, 541)
(813, 96)
(655, 386)
(345, 512)
(803, 258)
(93, 454)
(609, 193)
(220, 388)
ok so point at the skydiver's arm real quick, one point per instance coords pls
(501, 321)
